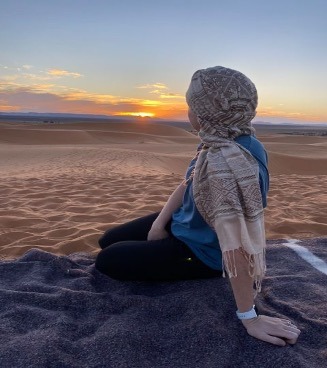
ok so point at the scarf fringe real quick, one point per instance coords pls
(256, 266)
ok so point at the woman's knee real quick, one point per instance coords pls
(103, 263)
(107, 239)
(109, 262)
(102, 241)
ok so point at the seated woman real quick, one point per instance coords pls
(213, 222)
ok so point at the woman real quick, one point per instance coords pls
(213, 222)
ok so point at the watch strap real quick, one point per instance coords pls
(247, 315)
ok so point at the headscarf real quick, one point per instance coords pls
(226, 177)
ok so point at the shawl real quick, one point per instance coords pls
(226, 176)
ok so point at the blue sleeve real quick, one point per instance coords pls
(258, 151)
(261, 156)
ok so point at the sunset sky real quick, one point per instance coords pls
(127, 57)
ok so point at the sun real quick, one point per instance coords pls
(145, 114)
(139, 114)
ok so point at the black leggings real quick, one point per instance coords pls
(127, 255)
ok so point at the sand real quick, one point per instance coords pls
(62, 185)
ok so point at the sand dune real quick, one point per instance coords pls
(73, 134)
(289, 164)
(64, 184)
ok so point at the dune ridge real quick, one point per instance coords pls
(64, 184)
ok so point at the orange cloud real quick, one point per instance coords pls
(152, 103)
(42, 96)
(162, 94)
(172, 95)
(46, 97)
(62, 73)
(24, 77)
(5, 107)
(75, 95)
(53, 98)
(155, 85)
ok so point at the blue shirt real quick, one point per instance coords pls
(190, 227)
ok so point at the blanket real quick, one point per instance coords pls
(59, 311)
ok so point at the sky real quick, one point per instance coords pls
(136, 57)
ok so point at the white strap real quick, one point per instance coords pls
(247, 315)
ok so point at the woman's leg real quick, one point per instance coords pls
(134, 230)
(167, 259)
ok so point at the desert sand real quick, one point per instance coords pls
(62, 185)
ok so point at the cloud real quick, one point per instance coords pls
(42, 98)
(27, 89)
(19, 69)
(151, 103)
(9, 85)
(52, 97)
(155, 85)
(40, 88)
(160, 93)
(76, 94)
(172, 95)
(63, 73)
(10, 77)
(5, 107)
(35, 77)
(23, 74)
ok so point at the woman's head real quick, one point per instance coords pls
(223, 100)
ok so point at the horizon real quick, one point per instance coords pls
(99, 117)
(136, 59)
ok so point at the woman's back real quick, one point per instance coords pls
(190, 227)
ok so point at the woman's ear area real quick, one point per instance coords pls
(193, 119)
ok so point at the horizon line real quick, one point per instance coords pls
(140, 117)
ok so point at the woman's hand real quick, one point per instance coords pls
(157, 232)
(277, 331)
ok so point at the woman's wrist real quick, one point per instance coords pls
(247, 314)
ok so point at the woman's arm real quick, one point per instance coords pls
(175, 200)
(274, 330)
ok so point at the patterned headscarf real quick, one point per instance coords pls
(226, 177)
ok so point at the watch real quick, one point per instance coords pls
(247, 315)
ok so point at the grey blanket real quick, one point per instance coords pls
(59, 311)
